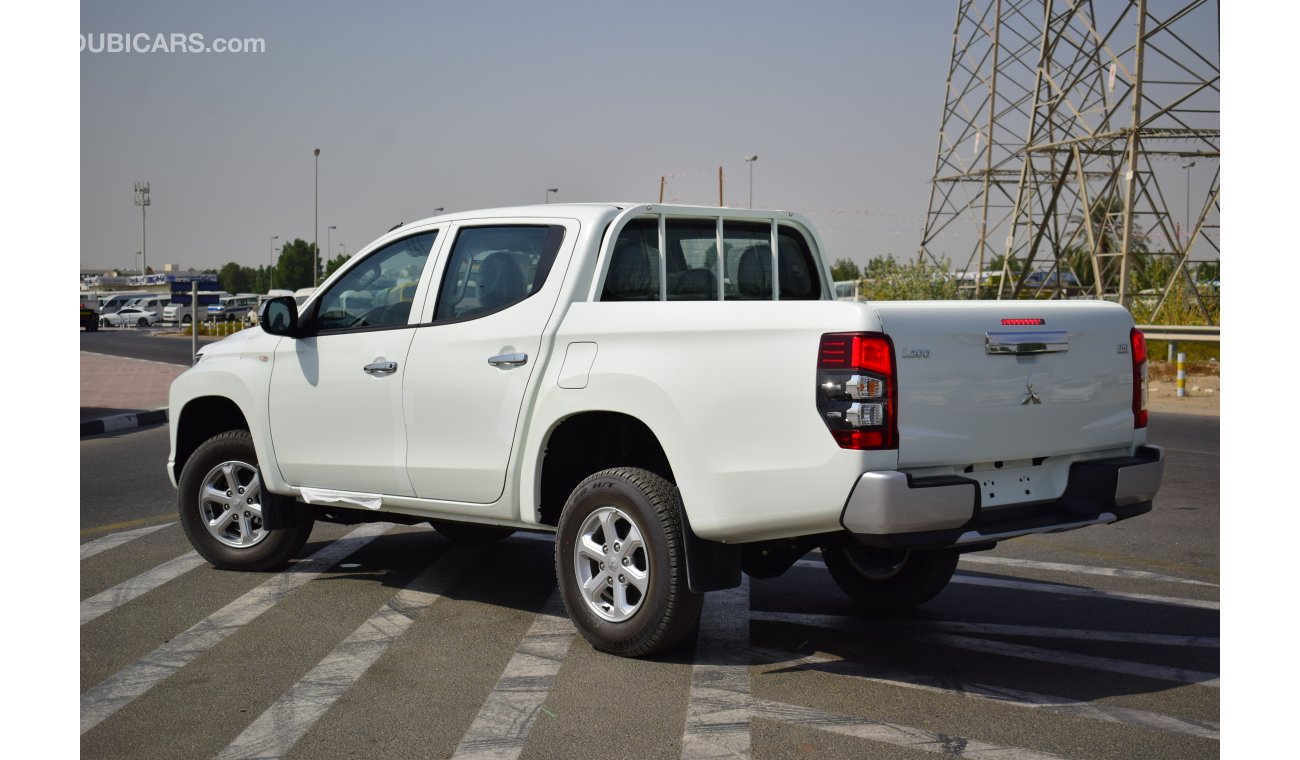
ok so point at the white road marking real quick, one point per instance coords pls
(503, 723)
(275, 732)
(1052, 588)
(100, 545)
(869, 625)
(1111, 572)
(115, 597)
(1072, 659)
(720, 712)
(119, 689)
(1000, 694)
(893, 734)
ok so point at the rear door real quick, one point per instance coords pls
(471, 361)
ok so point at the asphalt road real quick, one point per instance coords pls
(157, 344)
(392, 642)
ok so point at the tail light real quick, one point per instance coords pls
(1138, 342)
(857, 390)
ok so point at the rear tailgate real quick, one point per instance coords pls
(983, 382)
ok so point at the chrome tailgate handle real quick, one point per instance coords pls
(508, 360)
(380, 368)
(1025, 343)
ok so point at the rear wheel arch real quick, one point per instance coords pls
(590, 442)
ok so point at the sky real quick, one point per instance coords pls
(416, 106)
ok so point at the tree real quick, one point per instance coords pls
(335, 263)
(845, 269)
(881, 267)
(890, 280)
(293, 270)
(234, 278)
(1104, 217)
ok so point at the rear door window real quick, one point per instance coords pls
(494, 267)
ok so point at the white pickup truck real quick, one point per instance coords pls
(675, 393)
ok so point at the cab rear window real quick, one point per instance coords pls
(692, 271)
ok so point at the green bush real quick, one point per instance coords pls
(888, 280)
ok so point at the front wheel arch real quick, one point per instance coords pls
(200, 419)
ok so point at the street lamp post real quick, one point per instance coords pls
(750, 160)
(315, 227)
(329, 242)
(139, 255)
(271, 286)
(142, 200)
(550, 190)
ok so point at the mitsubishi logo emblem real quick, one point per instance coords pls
(1030, 396)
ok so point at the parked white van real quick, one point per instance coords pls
(111, 303)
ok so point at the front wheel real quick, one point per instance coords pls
(220, 496)
(889, 580)
(142, 322)
(620, 561)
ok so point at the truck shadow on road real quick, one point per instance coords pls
(988, 635)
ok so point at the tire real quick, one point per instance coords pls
(472, 535)
(228, 462)
(104, 323)
(889, 580)
(648, 607)
(142, 322)
(185, 320)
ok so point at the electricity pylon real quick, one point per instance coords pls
(1065, 125)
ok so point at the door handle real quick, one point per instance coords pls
(508, 360)
(380, 368)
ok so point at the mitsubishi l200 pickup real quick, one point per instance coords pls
(675, 393)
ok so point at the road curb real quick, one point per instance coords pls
(123, 422)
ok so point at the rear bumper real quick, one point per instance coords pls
(895, 510)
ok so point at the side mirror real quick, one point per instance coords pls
(279, 316)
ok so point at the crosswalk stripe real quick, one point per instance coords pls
(1000, 694)
(507, 716)
(1074, 659)
(1053, 588)
(868, 625)
(718, 713)
(893, 734)
(275, 732)
(121, 688)
(100, 545)
(1110, 572)
(115, 597)
(1056, 588)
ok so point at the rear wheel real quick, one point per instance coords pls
(220, 496)
(185, 320)
(889, 580)
(621, 564)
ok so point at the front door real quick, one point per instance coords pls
(336, 393)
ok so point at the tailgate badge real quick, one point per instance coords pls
(1030, 397)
